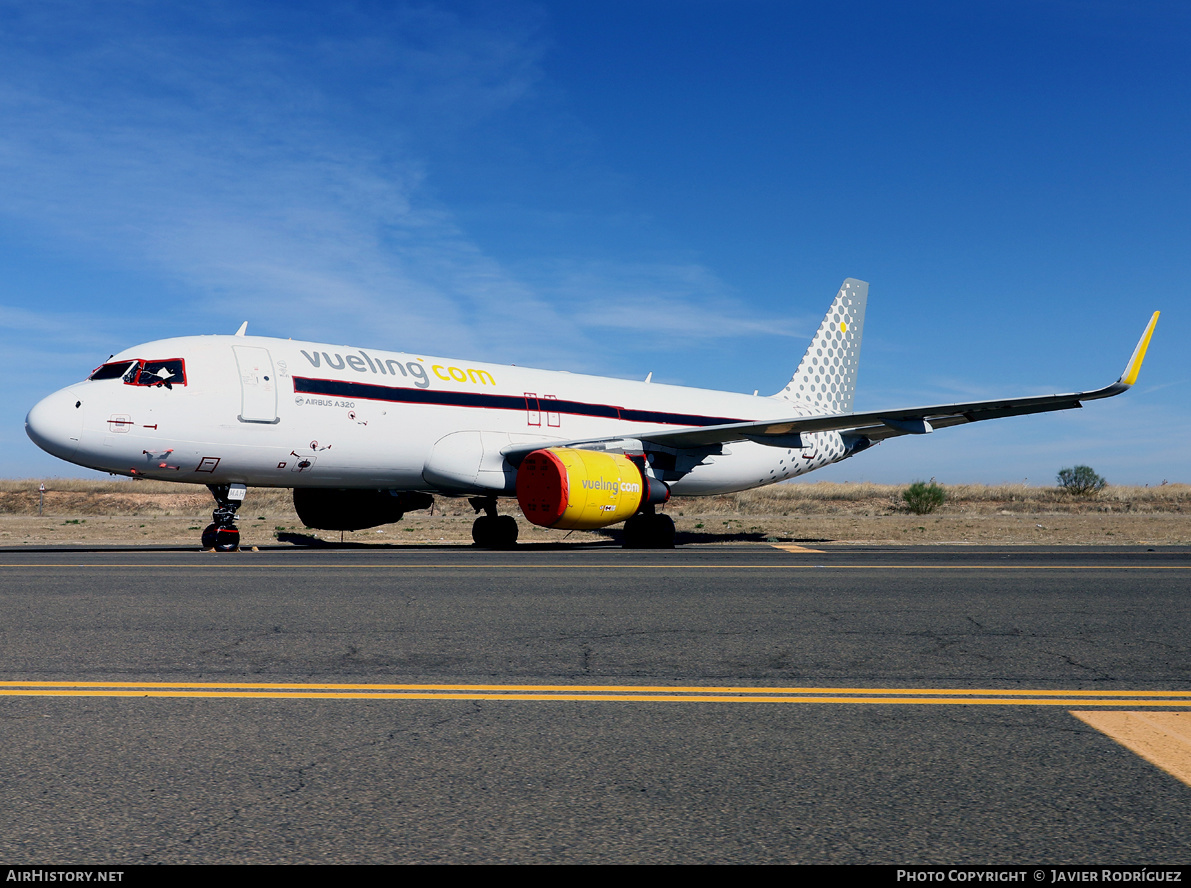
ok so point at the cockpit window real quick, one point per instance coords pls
(111, 371)
(168, 373)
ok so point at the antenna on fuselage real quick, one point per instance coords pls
(243, 329)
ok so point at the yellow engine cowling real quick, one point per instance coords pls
(578, 489)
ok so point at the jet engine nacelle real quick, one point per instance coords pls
(355, 509)
(583, 489)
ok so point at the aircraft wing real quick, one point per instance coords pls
(874, 425)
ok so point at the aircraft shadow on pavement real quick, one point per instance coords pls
(308, 541)
(601, 540)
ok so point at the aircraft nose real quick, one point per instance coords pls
(55, 423)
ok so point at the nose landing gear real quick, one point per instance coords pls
(223, 535)
(492, 531)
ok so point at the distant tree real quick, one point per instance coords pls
(922, 498)
(1081, 481)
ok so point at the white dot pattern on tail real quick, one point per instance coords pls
(826, 378)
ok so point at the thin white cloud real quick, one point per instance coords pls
(662, 303)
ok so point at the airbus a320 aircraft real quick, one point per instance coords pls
(364, 436)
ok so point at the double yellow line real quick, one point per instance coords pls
(602, 693)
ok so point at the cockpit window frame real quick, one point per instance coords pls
(154, 380)
(134, 370)
(123, 367)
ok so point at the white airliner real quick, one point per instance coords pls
(363, 436)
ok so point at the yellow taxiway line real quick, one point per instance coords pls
(1162, 738)
(602, 693)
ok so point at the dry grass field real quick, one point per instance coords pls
(120, 513)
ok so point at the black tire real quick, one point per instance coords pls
(209, 536)
(505, 532)
(494, 532)
(636, 532)
(649, 532)
(482, 532)
(221, 539)
(662, 532)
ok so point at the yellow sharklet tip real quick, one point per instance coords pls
(1130, 375)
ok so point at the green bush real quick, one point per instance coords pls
(1082, 481)
(922, 498)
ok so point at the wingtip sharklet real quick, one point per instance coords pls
(1131, 369)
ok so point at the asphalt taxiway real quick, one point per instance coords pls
(568, 704)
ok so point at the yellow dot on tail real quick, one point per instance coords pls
(843, 327)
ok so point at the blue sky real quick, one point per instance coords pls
(619, 188)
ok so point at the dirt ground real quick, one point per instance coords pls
(122, 513)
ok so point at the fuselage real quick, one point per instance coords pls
(279, 413)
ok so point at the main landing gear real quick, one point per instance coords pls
(492, 531)
(223, 535)
(649, 530)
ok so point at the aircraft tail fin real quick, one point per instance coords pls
(826, 378)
